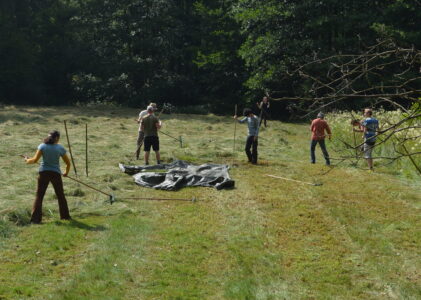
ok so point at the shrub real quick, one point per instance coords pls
(20, 217)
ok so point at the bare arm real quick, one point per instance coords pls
(359, 129)
(67, 161)
(158, 125)
(242, 120)
(357, 123)
(364, 130)
(329, 132)
(34, 159)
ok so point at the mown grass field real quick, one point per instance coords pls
(355, 237)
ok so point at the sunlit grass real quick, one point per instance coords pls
(355, 237)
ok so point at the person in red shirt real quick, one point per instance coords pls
(318, 128)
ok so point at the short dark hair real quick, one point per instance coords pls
(247, 111)
(368, 111)
(52, 137)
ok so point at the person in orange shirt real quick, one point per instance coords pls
(319, 128)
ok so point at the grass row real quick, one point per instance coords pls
(355, 237)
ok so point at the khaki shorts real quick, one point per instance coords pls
(368, 150)
(140, 138)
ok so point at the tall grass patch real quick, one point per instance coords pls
(343, 137)
(353, 237)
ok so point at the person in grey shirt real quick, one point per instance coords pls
(253, 132)
(141, 134)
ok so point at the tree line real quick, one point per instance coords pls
(214, 53)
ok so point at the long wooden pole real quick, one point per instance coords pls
(158, 199)
(86, 149)
(128, 198)
(355, 145)
(299, 181)
(235, 125)
(89, 186)
(70, 148)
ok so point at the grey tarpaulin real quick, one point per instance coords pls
(179, 174)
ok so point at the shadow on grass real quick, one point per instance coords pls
(77, 224)
(85, 215)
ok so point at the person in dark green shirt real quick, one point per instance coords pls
(150, 125)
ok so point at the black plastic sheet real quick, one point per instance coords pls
(180, 174)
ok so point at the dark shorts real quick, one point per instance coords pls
(151, 141)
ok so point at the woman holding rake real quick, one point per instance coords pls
(50, 151)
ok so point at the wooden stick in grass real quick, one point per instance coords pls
(355, 146)
(235, 126)
(294, 180)
(354, 123)
(70, 148)
(86, 149)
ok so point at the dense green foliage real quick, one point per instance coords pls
(190, 52)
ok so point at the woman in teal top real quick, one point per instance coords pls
(49, 171)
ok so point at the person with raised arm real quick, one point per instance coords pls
(49, 171)
(264, 110)
(253, 133)
(319, 130)
(369, 127)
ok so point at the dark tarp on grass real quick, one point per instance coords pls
(180, 174)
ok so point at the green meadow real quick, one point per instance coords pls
(357, 236)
